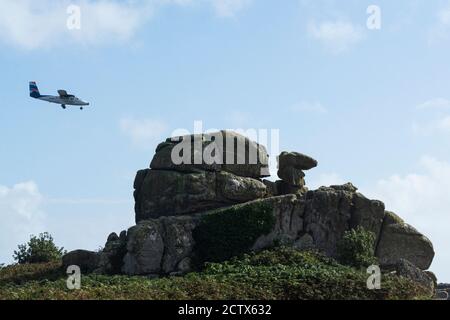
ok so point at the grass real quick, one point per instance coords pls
(280, 273)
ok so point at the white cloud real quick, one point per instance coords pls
(32, 24)
(229, 8)
(438, 103)
(20, 215)
(336, 36)
(309, 107)
(36, 24)
(422, 199)
(143, 132)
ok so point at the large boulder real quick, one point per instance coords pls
(398, 240)
(168, 193)
(86, 260)
(164, 193)
(160, 246)
(236, 189)
(218, 151)
(406, 269)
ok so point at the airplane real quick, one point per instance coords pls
(63, 99)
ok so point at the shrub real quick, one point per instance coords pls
(38, 250)
(357, 248)
(231, 232)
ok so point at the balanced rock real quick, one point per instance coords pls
(292, 176)
(296, 160)
(290, 171)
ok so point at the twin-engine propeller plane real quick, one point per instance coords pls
(63, 99)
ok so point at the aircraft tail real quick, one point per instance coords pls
(34, 91)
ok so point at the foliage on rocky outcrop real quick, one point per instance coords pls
(282, 273)
(231, 232)
(357, 248)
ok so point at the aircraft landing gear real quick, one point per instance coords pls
(63, 106)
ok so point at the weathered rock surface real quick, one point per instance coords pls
(296, 160)
(292, 176)
(406, 269)
(367, 213)
(234, 153)
(398, 240)
(160, 246)
(327, 216)
(305, 242)
(87, 260)
(284, 188)
(163, 193)
(145, 248)
(171, 199)
(288, 212)
(443, 291)
(111, 257)
(317, 219)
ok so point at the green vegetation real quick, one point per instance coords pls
(38, 250)
(357, 248)
(281, 273)
(231, 232)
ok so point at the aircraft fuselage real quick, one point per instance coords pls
(69, 101)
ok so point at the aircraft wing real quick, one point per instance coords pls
(62, 93)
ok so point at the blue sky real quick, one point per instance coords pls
(372, 106)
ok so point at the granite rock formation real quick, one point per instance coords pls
(174, 200)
